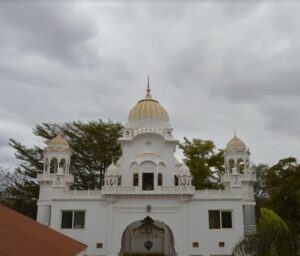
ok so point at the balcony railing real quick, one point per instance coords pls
(249, 229)
(157, 190)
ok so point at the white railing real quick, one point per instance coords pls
(216, 194)
(157, 190)
(240, 177)
(82, 193)
(249, 229)
(44, 176)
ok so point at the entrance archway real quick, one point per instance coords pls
(147, 236)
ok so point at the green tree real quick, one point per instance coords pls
(204, 161)
(283, 188)
(273, 238)
(260, 188)
(93, 145)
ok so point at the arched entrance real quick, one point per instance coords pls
(147, 236)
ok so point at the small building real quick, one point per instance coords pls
(148, 203)
(22, 236)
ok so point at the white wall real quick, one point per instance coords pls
(188, 220)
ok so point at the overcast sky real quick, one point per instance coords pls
(212, 64)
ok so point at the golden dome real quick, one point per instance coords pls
(58, 140)
(235, 144)
(148, 108)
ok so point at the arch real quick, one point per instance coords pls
(62, 165)
(153, 134)
(46, 167)
(247, 164)
(161, 165)
(53, 165)
(148, 236)
(134, 166)
(231, 165)
(241, 165)
(147, 165)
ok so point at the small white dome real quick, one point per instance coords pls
(112, 170)
(184, 170)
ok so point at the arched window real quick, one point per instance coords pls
(176, 180)
(46, 165)
(159, 179)
(62, 165)
(231, 165)
(53, 165)
(241, 166)
(148, 181)
(135, 179)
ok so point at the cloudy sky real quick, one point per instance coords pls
(212, 64)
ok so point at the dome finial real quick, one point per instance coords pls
(234, 132)
(148, 85)
(148, 95)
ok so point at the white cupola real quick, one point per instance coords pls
(184, 176)
(236, 156)
(112, 176)
(57, 156)
(237, 165)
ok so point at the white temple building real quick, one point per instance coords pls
(148, 202)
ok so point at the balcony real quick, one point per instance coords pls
(249, 229)
(116, 190)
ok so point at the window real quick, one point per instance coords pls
(226, 219)
(175, 181)
(195, 244)
(219, 219)
(66, 219)
(135, 179)
(148, 179)
(72, 219)
(159, 179)
(221, 244)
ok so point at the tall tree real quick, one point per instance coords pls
(260, 187)
(93, 145)
(283, 189)
(205, 162)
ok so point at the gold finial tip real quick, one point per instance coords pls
(148, 95)
(148, 85)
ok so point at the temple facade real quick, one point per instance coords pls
(148, 203)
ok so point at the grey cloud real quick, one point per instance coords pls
(213, 65)
(53, 30)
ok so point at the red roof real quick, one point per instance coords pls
(20, 235)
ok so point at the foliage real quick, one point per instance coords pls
(205, 163)
(283, 189)
(260, 189)
(260, 185)
(273, 238)
(93, 145)
(19, 192)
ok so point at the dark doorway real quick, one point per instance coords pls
(146, 237)
(148, 181)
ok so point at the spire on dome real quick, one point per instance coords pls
(148, 95)
(234, 132)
